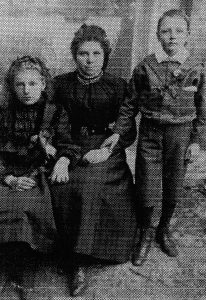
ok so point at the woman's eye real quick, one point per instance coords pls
(82, 53)
(32, 83)
(164, 31)
(19, 84)
(96, 53)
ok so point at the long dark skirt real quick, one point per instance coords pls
(94, 210)
(27, 216)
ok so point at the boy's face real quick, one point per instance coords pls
(28, 86)
(173, 34)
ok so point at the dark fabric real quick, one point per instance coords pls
(25, 215)
(87, 108)
(19, 154)
(169, 93)
(160, 163)
(167, 213)
(25, 121)
(145, 216)
(94, 211)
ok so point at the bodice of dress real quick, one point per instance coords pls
(93, 105)
(18, 153)
(25, 122)
(92, 108)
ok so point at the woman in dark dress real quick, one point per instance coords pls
(26, 217)
(92, 188)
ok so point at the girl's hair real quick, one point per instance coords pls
(88, 33)
(173, 13)
(28, 63)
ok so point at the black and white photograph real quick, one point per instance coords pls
(102, 149)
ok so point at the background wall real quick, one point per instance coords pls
(46, 27)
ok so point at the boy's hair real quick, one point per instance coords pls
(28, 63)
(173, 13)
(87, 33)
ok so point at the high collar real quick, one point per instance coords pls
(88, 79)
(179, 57)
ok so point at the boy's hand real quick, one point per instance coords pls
(111, 142)
(97, 155)
(60, 172)
(192, 152)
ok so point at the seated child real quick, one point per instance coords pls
(26, 217)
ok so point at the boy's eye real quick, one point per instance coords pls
(179, 30)
(96, 53)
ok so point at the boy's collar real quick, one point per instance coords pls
(180, 57)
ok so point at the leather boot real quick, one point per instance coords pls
(78, 281)
(164, 239)
(142, 249)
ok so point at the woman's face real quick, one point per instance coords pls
(90, 58)
(28, 86)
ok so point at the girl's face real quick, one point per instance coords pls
(28, 86)
(173, 34)
(90, 58)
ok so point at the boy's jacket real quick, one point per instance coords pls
(167, 96)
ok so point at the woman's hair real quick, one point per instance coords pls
(28, 63)
(87, 33)
(173, 13)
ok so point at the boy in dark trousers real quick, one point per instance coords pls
(168, 88)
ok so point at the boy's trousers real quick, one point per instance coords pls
(160, 162)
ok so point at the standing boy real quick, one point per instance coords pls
(168, 88)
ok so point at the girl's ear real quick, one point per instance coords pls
(43, 83)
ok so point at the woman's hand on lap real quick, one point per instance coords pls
(97, 155)
(60, 172)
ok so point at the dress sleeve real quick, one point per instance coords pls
(129, 137)
(129, 108)
(62, 137)
(199, 124)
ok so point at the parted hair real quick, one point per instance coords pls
(88, 33)
(28, 63)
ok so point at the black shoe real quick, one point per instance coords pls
(78, 281)
(142, 249)
(164, 239)
(20, 291)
